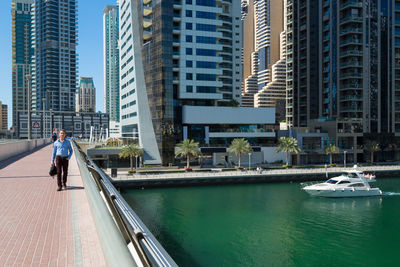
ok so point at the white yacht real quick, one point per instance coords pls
(349, 184)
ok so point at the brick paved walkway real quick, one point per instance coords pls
(40, 226)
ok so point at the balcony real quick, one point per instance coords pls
(351, 42)
(351, 98)
(357, 75)
(147, 10)
(351, 53)
(351, 109)
(351, 64)
(350, 30)
(350, 19)
(351, 4)
(147, 22)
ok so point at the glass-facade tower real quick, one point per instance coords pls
(190, 55)
(55, 59)
(111, 62)
(22, 52)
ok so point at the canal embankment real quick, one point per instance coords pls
(217, 176)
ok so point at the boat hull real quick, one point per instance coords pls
(348, 192)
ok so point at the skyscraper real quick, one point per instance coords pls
(3, 117)
(268, 24)
(22, 52)
(274, 93)
(343, 68)
(55, 59)
(111, 62)
(175, 53)
(86, 95)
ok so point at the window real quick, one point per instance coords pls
(206, 52)
(206, 27)
(189, 13)
(189, 26)
(189, 63)
(188, 2)
(344, 182)
(205, 15)
(205, 2)
(189, 51)
(189, 88)
(189, 76)
(206, 40)
(206, 64)
(189, 38)
(331, 181)
(206, 77)
(206, 89)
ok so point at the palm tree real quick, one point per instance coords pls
(111, 141)
(287, 144)
(130, 151)
(239, 146)
(187, 148)
(330, 150)
(372, 146)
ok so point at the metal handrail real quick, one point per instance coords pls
(116, 253)
(132, 229)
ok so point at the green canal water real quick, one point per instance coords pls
(271, 225)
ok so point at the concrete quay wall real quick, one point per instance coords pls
(240, 178)
(17, 147)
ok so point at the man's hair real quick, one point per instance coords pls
(62, 130)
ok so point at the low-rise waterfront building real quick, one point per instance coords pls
(77, 124)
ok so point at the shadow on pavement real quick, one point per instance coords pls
(11, 160)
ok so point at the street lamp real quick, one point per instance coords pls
(29, 78)
(344, 158)
(249, 159)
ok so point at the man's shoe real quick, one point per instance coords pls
(59, 188)
(64, 186)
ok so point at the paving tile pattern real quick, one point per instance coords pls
(40, 226)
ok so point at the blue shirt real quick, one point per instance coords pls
(63, 149)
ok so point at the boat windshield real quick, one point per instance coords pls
(331, 181)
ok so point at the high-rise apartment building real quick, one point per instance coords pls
(111, 62)
(86, 95)
(273, 95)
(342, 61)
(175, 53)
(22, 52)
(268, 25)
(55, 59)
(3, 117)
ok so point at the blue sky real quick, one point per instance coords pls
(90, 48)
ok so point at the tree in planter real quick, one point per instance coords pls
(330, 150)
(372, 146)
(287, 144)
(130, 151)
(187, 148)
(239, 146)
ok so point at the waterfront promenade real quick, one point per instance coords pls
(40, 226)
(216, 173)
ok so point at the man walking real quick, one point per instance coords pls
(62, 152)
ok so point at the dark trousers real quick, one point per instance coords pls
(62, 166)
